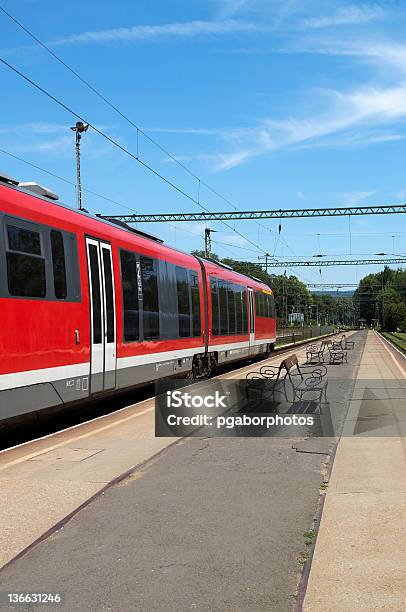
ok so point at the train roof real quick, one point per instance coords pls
(33, 190)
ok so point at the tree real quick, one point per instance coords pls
(382, 297)
(200, 253)
(394, 317)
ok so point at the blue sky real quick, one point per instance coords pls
(274, 103)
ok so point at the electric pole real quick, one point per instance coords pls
(79, 129)
(207, 242)
(266, 256)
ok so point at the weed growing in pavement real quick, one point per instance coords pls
(309, 537)
(303, 557)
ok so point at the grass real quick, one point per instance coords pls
(398, 339)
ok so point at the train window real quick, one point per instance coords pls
(196, 320)
(215, 306)
(58, 264)
(264, 304)
(182, 289)
(25, 266)
(238, 309)
(130, 295)
(259, 304)
(96, 302)
(244, 312)
(23, 240)
(108, 281)
(231, 308)
(223, 308)
(150, 298)
(271, 303)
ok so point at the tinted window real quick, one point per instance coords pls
(150, 298)
(58, 264)
(26, 275)
(244, 311)
(258, 304)
(215, 307)
(182, 290)
(130, 295)
(271, 306)
(23, 240)
(25, 268)
(238, 309)
(231, 308)
(108, 282)
(264, 304)
(223, 308)
(196, 320)
(95, 282)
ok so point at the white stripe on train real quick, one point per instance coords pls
(32, 377)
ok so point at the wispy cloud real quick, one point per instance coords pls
(351, 116)
(231, 7)
(187, 29)
(56, 145)
(353, 198)
(346, 15)
(39, 127)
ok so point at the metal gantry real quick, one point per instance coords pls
(384, 209)
(334, 262)
(331, 285)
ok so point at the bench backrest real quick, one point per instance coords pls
(288, 364)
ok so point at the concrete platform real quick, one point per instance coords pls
(43, 482)
(208, 524)
(359, 561)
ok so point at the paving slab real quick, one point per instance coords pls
(42, 482)
(359, 561)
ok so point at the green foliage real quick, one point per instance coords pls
(198, 253)
(394, 316)
(382, 297)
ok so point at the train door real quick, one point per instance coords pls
(251, 329)
(102, 316)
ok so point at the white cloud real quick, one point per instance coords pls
(231, 7)
(56, 145)
(187, 29)
(353, 198)
(346, 15)
(351, 115)
(381, 52)
(39, 127)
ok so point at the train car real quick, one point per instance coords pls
(89, 308)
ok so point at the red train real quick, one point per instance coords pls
(89, 308)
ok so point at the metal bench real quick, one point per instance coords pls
(347, 344)
(304, 379)
(315, 354)
(269, 379)
(338, 354)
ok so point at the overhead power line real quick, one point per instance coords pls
(139, 130)
(200, 182)
(135, 157)
(336, 262)
(101, 96)
(381, 209)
